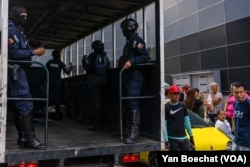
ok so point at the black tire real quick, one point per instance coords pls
(153, 159)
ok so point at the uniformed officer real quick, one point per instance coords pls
(97, 65)
(55, 67)
(19, 49)
(134, 53)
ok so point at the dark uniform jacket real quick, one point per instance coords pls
(135, 51)
(18, 49)
(97, 64)
(55, 68)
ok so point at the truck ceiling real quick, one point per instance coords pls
(58, 23)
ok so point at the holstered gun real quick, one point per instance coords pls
(14, 70)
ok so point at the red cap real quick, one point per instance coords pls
(174, 89)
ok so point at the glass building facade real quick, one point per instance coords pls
(208, 35)
(199, 35)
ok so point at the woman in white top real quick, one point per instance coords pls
(215, 100)
(223, 125)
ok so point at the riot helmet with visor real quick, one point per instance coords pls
(129, 27)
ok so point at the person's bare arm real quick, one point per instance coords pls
(215, 100)
(233, 125)
(225, 107)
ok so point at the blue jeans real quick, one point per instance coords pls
(236, 147)
(179, 145)
(55, 92)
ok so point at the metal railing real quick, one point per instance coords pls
(46, 99)
(121, 98)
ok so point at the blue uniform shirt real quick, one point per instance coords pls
(135, 50)
(18, 45)
(55, 68)
(18, 49)
(97, 63)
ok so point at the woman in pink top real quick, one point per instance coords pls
(229, 106)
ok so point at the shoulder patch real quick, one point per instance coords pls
(134, 44)
(16, 39)
(140, 45)
(11, 41)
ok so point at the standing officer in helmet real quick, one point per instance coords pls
(18, 49)
(55, 68)
(134, 53)
(97, 65)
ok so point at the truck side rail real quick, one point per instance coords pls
(121, 98)
(46, 99)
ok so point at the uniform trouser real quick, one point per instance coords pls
(96, 85)
(20, 89)
(24, 119)
(23, 107)
(55, 92)
(132, 82)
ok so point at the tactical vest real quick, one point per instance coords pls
(100, 64)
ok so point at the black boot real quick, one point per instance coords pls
(21, 141)
(133, 133)
(27, 126)
(126, 124)
(97, 124)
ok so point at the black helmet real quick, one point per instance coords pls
(98, 46)
(129, 27)
(56, 53)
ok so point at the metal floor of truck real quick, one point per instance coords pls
(71, 138)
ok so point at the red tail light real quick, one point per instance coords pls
(29, 164)
(129, 158)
